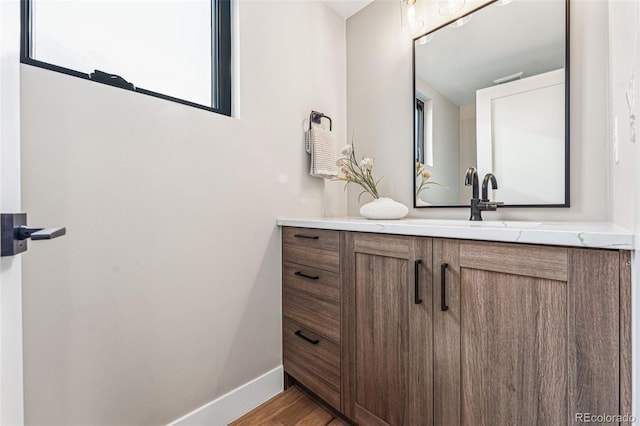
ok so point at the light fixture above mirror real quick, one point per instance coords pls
(449, 7)
(412, 17)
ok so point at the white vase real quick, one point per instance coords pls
(384, 208)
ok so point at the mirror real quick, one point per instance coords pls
(491, 92)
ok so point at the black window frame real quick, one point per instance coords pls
(419, 130)
(220, 54)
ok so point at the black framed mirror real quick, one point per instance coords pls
(491, 91)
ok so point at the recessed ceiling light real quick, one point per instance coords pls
(508, 78)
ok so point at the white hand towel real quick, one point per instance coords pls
(321, 144)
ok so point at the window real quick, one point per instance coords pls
(419, 131)
(428, 132)
(173, 49)
(423, 131)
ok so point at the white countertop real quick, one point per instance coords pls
(577, 234)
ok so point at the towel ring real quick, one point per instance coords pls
(316, 117)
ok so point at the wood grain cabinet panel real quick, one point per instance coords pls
(313, 247)
(446, 336)
(513, 349)
(312, 297)
(312, 359)
(402, 330)
(594, 331)
(625, 333)
(516, 259)
(538, 339)
(387, 309)
(311, 307)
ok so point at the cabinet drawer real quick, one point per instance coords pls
(312, 297)
(312, 247)
(315, 362)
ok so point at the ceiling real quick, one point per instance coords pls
(500, 40)
(346, 8)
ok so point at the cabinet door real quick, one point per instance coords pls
(446, 332)
(530, 336)
(387, 354)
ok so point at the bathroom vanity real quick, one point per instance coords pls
(427, 322)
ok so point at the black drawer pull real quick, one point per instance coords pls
(416, 287)
(302, 336)
(303, 275)
(308, 237)
(443, 287)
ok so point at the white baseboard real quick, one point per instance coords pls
(234, 404)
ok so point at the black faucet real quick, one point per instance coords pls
(472, 179)
(478, 205)
(485, 186)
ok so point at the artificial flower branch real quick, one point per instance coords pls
(423, 174)
(360, 173)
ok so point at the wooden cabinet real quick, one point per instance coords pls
(387, 330)
(311, 310)
(531, 335)
(431, 331)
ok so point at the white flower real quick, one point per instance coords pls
(366, 163)
(346, 150)
(358, 172)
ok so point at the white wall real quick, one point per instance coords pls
(468, 148)
(624, 62)
(379, 55)
(165, 293)
(446, 137)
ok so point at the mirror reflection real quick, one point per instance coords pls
(490, 93)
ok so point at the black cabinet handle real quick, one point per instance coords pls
(303, 275)
(443, 287)
(308, 237)
(416, 285)
(302, 336)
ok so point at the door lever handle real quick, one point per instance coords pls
(14, 233)
(23, 232)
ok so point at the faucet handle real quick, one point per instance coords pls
(490, 205)
(489, 177)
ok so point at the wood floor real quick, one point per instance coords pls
(291, 407)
